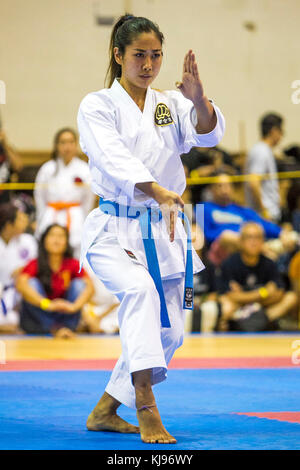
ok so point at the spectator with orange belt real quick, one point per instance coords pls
(63, 195)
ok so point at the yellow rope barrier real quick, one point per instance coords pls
(243, 178)
(195, 180)
(28, 186)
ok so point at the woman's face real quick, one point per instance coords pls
(56, 241)
(67, 146)
(141, 61)
(21, 223)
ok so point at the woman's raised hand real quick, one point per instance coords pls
(191, 86)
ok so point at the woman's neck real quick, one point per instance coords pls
(66, 160)
(6, 236)
(55, 261)
(137, 94)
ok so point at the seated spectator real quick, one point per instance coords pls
(26, 204)
(53, 289)
(223, 219)
(101, 317)
(202, 162)
(16, 250)
(252, 296)
(205, 313)
(294, 275)
(10, 161)
(293, 203)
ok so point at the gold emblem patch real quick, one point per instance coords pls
(162, 116)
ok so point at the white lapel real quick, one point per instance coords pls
(146, 134)
(122, 97)
(143, 120)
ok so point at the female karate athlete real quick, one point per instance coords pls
(133, 136)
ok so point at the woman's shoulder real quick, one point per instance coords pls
(79, 163)
(70, 263)
(31, 267)
(96, 99)
(48, 166)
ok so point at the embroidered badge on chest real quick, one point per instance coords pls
(162, 116)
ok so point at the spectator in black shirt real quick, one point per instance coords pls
(251, 287)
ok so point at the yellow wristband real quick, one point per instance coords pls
(263, 292)
(44, 303)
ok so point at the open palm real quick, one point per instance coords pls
(191, 86)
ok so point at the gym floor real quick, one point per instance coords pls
(224, 391)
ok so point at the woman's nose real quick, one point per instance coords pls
(147, 64)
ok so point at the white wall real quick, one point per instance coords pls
(52, 53)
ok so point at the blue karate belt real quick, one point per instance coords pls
(144, 215)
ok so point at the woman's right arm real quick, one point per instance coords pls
(28, 293)
(33, 297)
(168, 202)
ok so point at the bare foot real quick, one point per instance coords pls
(151, 427)
(104, 417)
(64, 333)
(111, 422)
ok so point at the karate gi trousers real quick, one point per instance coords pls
(145, 344)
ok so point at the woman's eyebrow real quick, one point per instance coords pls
(145, 50)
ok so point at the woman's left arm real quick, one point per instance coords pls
(191, 87)
(85, 295)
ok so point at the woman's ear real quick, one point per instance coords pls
(117, 55)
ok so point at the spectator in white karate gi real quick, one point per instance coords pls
(63, 194)
(16, 250)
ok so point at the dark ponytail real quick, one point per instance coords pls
(126, 29)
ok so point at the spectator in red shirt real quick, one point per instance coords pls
(53, 290)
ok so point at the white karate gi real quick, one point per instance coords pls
(62, 187)
(126, 146)
(14, 255)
